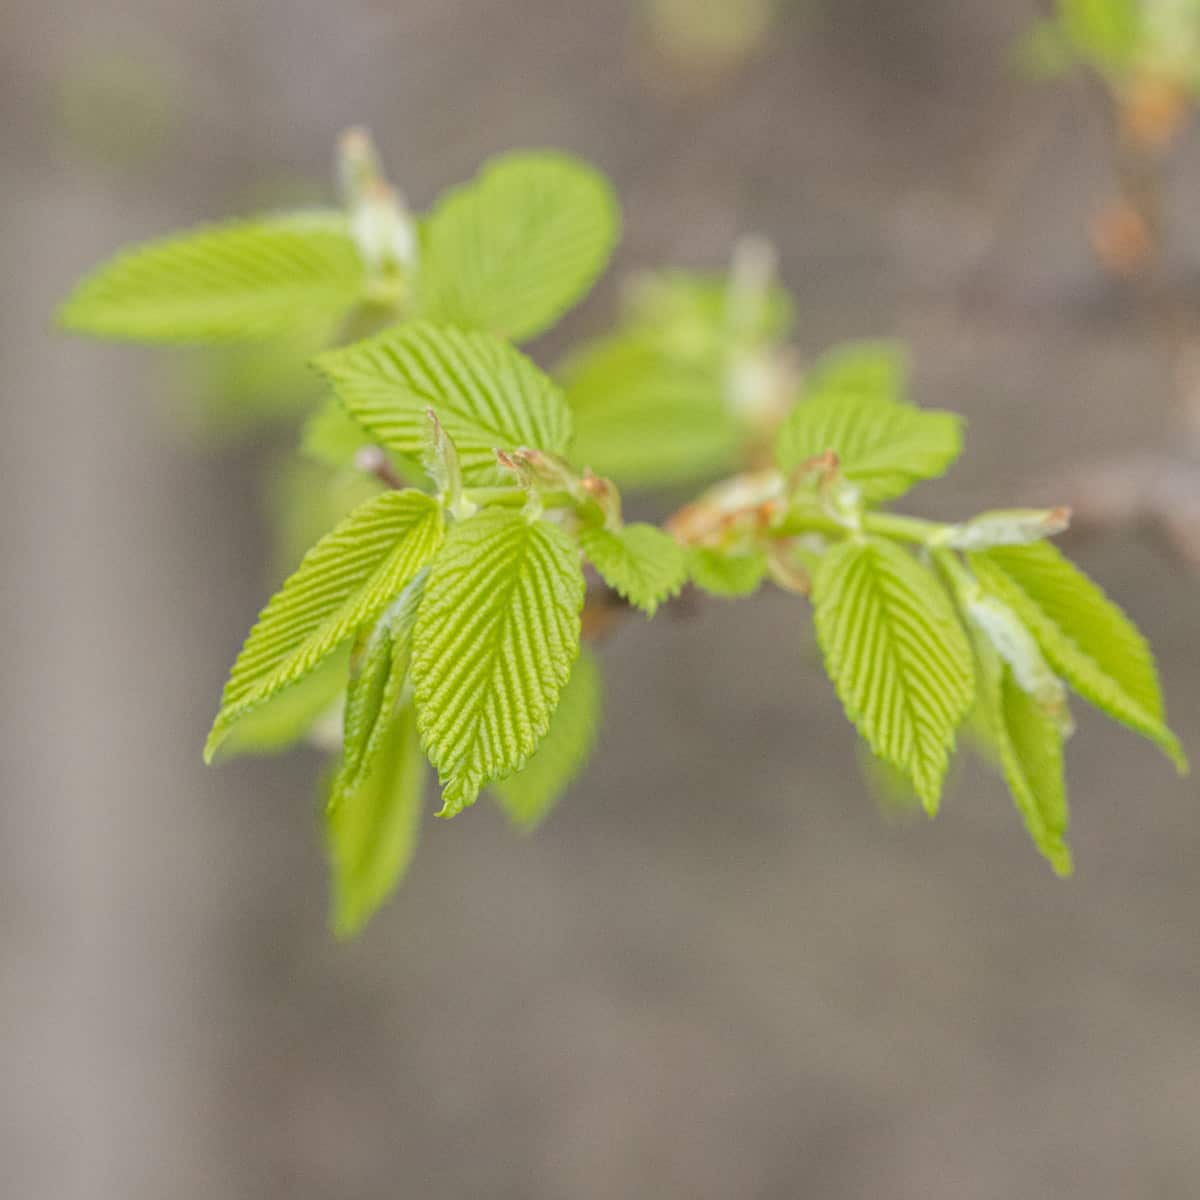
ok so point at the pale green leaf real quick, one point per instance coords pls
(883, 447)
(495, 639)
(372, 833)
(897, 654)
(237, 281)
(694, 315)
(332, 436)
(729, 575)
(1085, 637)
(528, 795)
(288, 716)
(643, 564)
(486, 394)
(376, 682)
(513, 249)
(644, 417)
(890, 787)
(343, 584)
(223, 393)
(304, 501)
(862, 370)
(1027, 740)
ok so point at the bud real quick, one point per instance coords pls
(440, 460)
(382, 227)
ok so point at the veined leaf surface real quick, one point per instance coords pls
(486, 394)
(1085, 637)
(513, 249)
(348, 578)
(528, 795)
(644, 565)
(496, 636)
(897, 654)
(883, 447)
(242, 280)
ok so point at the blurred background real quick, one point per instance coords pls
(719, 970)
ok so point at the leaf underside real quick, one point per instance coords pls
(1027, 742)
(1085, 637)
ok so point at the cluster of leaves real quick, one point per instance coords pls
(439, 621)
(1125, 41)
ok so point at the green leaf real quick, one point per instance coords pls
(862, 370)
(348, 578)
(495, 639)
(515, 248)
(897, 654)
(1027, 739)
(374, 692)
(883, 447)
(694, 315)
(486, 394)
(289, 715)
(528, 795)
(332, 436)
(372, 833)
(644, 565)
(1085, 637)
(304, 501)
(890, 787)
(243, 280)
(645, 418)
(1105, 31)
(727, 575)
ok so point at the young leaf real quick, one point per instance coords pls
(515, 248)
(692, 314)
(495, 638)
(486, 394)
(528, 795)
(289, 715)
(645, 565)
(372, 833)
(1085, 637)
(1028, 741)
(862, 370)
(345, 581)
(332, 436)
(646, 417)
(897, 655)
(374, 691)
(727, 575)
(241, 280)
(882, 447)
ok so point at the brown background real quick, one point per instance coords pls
(718, 971)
